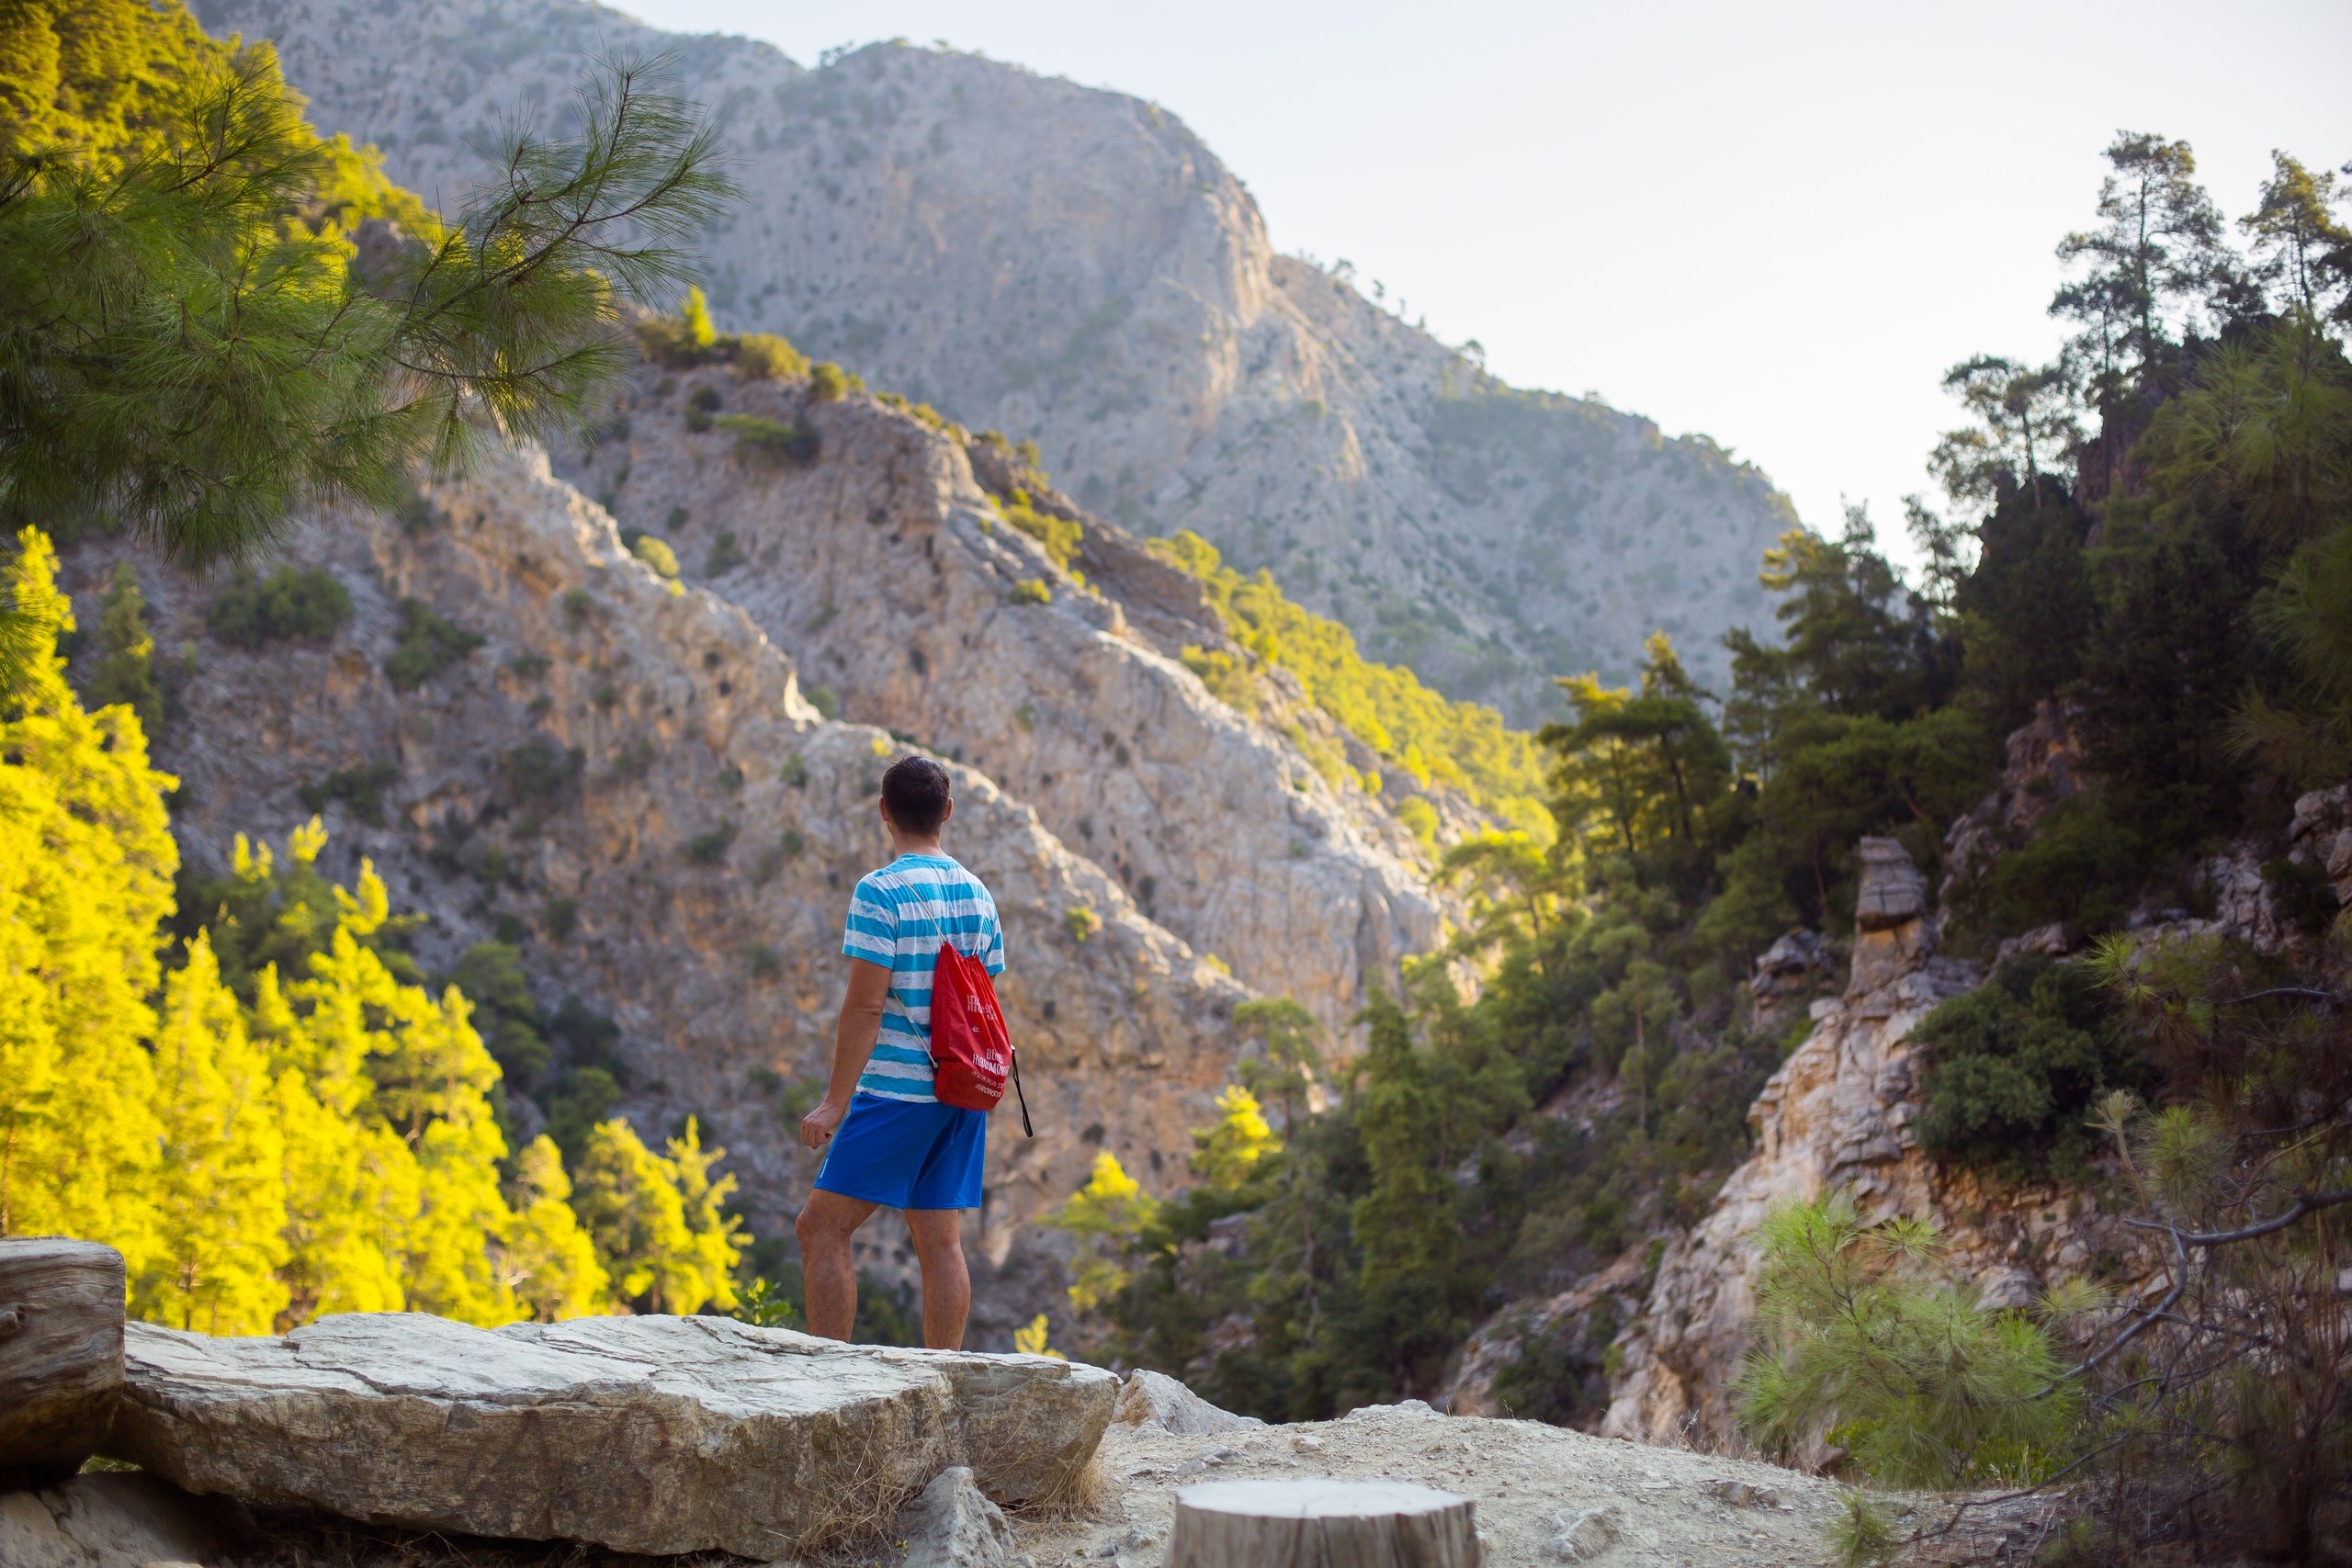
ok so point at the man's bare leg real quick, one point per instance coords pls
(828, 1275)
(946, 1283)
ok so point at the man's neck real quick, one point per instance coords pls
(900, 845)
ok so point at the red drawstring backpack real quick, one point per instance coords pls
(971, 1052)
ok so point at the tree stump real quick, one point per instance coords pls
(61, 1355)
(1321, 1523)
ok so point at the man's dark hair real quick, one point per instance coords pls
(915, 792)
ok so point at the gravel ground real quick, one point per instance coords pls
(1544, 1495)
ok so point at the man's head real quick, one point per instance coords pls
(915, 797)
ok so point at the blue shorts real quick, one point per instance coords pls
(903, 1154)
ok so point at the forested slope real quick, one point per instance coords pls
(2048, 1154)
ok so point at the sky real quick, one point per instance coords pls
(1777, 225)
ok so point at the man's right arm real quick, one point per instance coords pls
(854, 1036)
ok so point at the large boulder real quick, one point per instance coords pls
(654, 1434)
(1154, 1399)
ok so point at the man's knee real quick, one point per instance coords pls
(818, 1228)
(936, 1240)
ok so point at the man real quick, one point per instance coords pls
(887, 1140)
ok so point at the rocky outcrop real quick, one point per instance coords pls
(2042, 764)
(1154, 1399)
(656, 1435)
(1074, 265)
(624, 776)
(1571, 1331)
(1839, 1114)
(112, 1520)
(952, 1524)
(888, 575)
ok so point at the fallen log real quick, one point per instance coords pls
(1321, 1523)
(61, 1355)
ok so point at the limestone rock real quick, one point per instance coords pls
(884, 572)
(951, 1524)
(653, 1434)
(111, 1520)
(669, 716)
(1892, 930)
(2041, 766)
(1795, 963)
(1049, 260)
(1581, 1537)
(1154, 1399)
(1839, 1114)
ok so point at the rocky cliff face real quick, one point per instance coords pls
(886, 573)
(1056, 261)
(638, 756)
(1839, 1113)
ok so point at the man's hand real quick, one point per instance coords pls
(817, 1127)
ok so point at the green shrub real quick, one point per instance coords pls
(679, 518)
(2082, 867)
(710, 849)
(541, 776)
(587, 1097)
(1032, 591)
(657, 554)
(795, 771)
(725, 555)
(1228, 678)
(2014, 1067)
(771, 441)
(428, 644)
(491, 976)
(1868, 1343)
(286, 606)
(560, 918)
(828, 381)
(1081, 922)
(361, 790)
(700, 404)
(635, 760)
(763, 356)
(1060, 535)
(528, 666)
(763, 961)
(1418, 818)
(824, 699)
(2302, 893)
(684, 340)
(577, 604)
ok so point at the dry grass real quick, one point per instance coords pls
(1085, 1493)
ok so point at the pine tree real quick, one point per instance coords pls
(220, 1191)
(627, 1197)
(1105, 1216)
(122, 668)
(705, 1273)
(190, 342)
(86, 860)
(550, 1258)
(1228, 1152)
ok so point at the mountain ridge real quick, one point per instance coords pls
(1076, 265)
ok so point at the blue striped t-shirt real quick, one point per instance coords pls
(898, 917)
